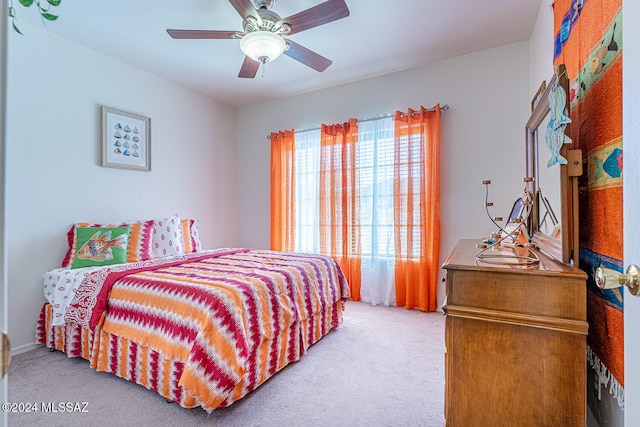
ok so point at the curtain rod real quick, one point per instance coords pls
(368, 119)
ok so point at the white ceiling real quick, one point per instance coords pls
(378, 37)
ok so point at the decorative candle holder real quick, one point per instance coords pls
(510, 243)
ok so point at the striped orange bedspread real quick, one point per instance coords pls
(222, 325)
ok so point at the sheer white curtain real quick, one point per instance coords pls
(376, 169)
(375, 154)
(307, 162)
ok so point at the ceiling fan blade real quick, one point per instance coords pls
(245, 8)
(204, 34)
(306, 56)
(249, 68)
(326, 12)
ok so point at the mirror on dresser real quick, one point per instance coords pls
(553, 223)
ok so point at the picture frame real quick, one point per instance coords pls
(125, 140)
(514, 220)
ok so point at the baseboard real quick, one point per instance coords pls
(24, 349)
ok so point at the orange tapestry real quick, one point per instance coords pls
(588, 40)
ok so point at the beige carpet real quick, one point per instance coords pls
(384, 366)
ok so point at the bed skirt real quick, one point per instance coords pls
(144, 366)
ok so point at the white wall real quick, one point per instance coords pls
(541, 48)
(482, 135)
(53, 173)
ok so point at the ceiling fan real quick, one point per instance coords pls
(263, 39)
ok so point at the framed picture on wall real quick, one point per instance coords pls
(125, 140)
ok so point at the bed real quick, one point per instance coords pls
(200, 328)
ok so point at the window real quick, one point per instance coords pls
(376, 167)
(307, 161)
(367, 193)
(375, 161)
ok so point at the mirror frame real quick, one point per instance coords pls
(564, 249)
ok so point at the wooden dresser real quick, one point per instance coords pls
(515, 342)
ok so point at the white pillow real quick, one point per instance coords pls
(167, 237)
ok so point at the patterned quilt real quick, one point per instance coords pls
(231, 319)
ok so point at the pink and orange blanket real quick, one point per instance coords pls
(201, 330)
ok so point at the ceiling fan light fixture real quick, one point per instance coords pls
(262, 46)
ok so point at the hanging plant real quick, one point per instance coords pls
(42, 6)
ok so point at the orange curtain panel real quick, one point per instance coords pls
(417, 207)
(339, 211)
(283, 204)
